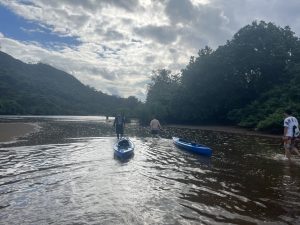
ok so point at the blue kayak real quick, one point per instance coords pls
(124, 148)
(192, 147)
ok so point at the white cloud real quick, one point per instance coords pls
(121, 42)
(243, 12)
(161, 34)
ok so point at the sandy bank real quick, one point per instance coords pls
(227, 129)
(11, 131)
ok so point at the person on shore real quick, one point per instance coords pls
(291, 131)
(119, 124)
(155, 126)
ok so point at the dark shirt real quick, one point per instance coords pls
(119, 121)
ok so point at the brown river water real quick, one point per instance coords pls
(67, 174)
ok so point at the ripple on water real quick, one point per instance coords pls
(81, 181)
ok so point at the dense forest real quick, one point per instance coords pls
(249, 81)
(39, 89)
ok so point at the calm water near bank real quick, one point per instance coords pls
(67, 174)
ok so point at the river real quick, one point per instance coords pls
(67, 174)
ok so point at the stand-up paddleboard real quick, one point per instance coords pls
(192, 147)
(124, 148)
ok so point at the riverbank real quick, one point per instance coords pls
(228, 129)
(11, 131)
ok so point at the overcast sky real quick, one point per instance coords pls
(113, 45)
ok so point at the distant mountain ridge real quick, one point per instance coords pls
(40, 89)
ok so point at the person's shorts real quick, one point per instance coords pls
(290, 143)
(154, 131)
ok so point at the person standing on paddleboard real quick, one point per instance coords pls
(119, 124)
(291, 132)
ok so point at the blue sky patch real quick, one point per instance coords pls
(18, 28)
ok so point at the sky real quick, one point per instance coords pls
(115, 45)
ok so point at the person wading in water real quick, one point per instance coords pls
(291, 132)
(155, 126)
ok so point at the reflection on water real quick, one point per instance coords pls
(67, 174)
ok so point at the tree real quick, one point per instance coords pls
(161, 92)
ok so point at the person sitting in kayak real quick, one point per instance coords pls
(119, 124)
(124, 143)
(155, 126)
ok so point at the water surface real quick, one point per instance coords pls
(67, 174)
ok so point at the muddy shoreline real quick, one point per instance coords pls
(12, 131)
(227, 129)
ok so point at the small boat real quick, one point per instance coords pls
(192, 147)
(124, 148)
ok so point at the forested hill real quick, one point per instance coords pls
(249, 81)
(41, 89)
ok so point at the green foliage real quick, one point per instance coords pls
(246, 82)
(272, 123)
(40, 89)
(9, 107)
(162, 92)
